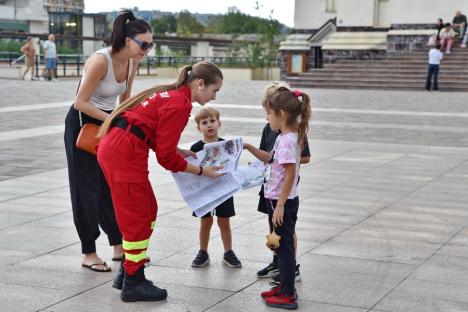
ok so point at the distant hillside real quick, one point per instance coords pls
(202, 18)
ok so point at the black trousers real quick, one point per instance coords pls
(432, 73)
(90, 195)
(286, 253)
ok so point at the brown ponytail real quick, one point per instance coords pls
(306, 113)
(209, 72)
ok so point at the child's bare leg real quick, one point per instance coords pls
(205, 228)
(226, 236)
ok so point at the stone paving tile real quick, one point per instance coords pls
(27, 298)
(422, 296)
(181, 299)
(35, 238)
(379, 247)
(443, 268)
(384, 191)
(461, 238)
(242, 302)
(454, 250)
(349, 289)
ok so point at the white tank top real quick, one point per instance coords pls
(105, 95)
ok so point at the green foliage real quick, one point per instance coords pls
(11, 45)
(166, 23)
(236, 22)
(214, 24)
(67, 50)
(188, 25)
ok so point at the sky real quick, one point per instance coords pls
(283, 10)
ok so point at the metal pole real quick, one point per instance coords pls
(147, 65)
(78, 65)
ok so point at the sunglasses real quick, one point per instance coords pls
(144, 45)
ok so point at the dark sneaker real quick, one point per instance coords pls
(202, 259)
(297, 275)
(269, 271)
(231, 260)
(282, 301)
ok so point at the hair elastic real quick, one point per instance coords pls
(297, 93)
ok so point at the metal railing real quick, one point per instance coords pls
(72, 64)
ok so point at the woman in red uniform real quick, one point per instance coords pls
(153, 119)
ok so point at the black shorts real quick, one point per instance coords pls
(225, 210)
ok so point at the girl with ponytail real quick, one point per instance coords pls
(288, 111)
(153, 119)
(108, 73)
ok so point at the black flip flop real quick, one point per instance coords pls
(92, 267)
(118, 258)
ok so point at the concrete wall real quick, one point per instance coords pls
(201, 49)
(425, 11)
(311, 14)
(355, 13)
(25, 10)
(37, 27)
(230, 74)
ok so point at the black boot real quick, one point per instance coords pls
(138, 288)
(119, 277)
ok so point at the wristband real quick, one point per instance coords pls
(201, 170)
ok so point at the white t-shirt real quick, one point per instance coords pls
(435, 56)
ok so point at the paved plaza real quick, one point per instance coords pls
(382, 221)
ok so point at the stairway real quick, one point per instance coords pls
(401, 72)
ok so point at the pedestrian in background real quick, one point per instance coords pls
(435, 56)
(29, 58)
(50, 57)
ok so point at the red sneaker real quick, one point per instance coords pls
(282, 301)
(272, 292)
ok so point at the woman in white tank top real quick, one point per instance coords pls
(107, 74)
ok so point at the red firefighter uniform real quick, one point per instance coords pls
(124, 160)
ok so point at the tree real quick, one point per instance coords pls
(164, 24)
(188, 25)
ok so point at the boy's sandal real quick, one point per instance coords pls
(92, 267)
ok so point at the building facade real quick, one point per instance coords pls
(32, 16)
(363, 29)
(75, 31)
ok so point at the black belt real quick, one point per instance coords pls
(124, 124)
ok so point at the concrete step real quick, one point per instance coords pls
(397, 62)
(398, 66)
(406, 71)
(377, 81)
(374, 70)
(396, 75)
(368, 86)
(390, 71)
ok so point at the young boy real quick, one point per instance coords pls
(208, 124)
(266, 144)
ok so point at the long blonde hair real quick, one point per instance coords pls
(209, 72)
